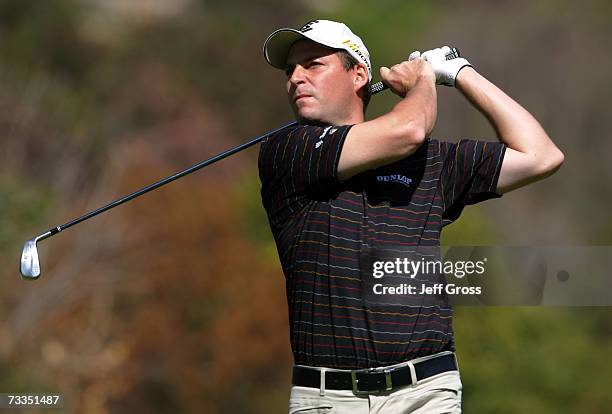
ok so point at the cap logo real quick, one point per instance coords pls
(308, 26)
(355, 48)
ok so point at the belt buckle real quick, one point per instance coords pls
(388, 381)
(355, 380)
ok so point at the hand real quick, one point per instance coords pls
(402, 77)
(446, 70)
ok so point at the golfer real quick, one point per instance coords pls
(339, 190)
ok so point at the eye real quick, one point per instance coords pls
(289, 70)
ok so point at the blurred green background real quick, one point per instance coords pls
(175, 302)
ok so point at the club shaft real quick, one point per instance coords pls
(162, 182)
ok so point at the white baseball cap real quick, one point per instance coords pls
(325, 32)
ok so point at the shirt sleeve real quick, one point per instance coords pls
(298, 164)
(470, 173)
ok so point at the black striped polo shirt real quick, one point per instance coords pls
(325, 228)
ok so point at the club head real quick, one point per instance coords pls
(30, 265)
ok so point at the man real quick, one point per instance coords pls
(340, 191)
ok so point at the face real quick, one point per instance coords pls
(320, 90)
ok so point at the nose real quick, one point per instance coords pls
(297, 75)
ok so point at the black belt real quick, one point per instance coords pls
(363, 381)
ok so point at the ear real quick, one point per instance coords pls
(361, 77)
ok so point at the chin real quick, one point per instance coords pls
(312, 121)
(307, 117)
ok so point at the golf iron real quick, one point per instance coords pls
(30, 262)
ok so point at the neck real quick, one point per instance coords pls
(353, 117)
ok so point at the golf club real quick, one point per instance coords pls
(30, 263)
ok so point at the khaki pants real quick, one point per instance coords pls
(434, 395)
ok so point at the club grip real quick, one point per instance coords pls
(453, 54)
(380, 86)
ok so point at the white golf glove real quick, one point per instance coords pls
(446, 70)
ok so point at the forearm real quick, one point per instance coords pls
(420, 105)
(416, 113)
(514, 125)
(392, 136)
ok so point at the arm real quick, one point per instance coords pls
(531, 155)
(401, 131)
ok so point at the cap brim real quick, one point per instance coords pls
(277, 45)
